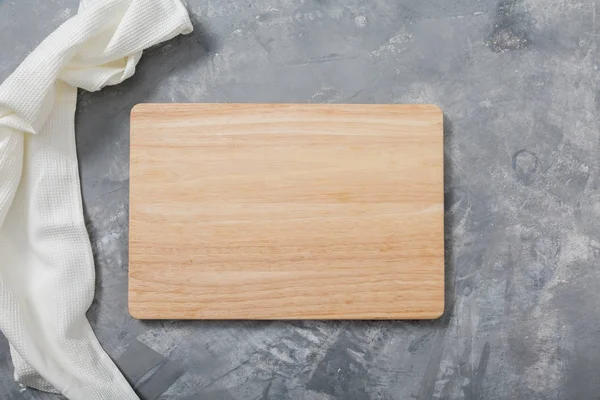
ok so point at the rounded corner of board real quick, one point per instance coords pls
(438, 312)
(139, 108)
(435, 108)
(134, 312)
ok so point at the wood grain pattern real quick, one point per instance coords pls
(265, 211)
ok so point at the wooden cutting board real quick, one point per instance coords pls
(283, 211)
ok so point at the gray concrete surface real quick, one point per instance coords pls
(518, 81)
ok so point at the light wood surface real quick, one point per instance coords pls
(273, 211)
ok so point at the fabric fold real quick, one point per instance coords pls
(46, 264)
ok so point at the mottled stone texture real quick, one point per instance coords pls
(518, 82)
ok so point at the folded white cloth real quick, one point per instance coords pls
(46, 265)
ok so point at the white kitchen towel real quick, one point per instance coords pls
(46, 265)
